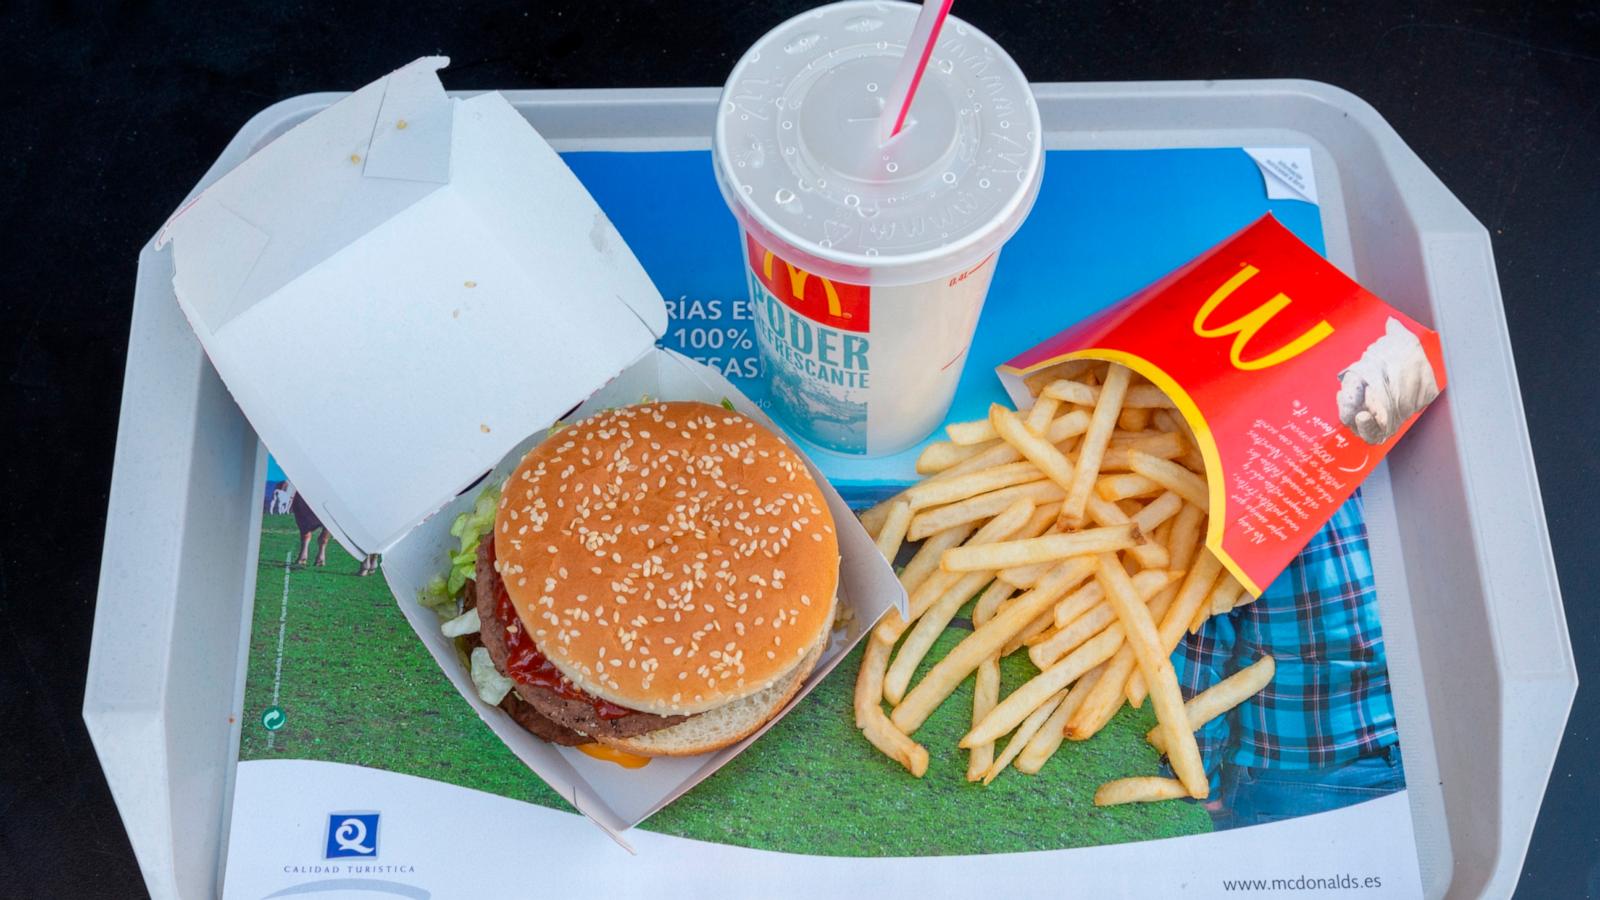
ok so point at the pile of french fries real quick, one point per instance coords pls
(1079, 524)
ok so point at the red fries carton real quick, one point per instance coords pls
(1294, 379)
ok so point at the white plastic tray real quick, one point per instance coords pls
(1479, 657)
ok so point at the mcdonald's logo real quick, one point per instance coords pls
(1245, 328)
(836, 304)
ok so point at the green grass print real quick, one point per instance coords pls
(358, 687)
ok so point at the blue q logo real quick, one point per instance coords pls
(352, 835)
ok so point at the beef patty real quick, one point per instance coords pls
(578, 715)
(524, 714)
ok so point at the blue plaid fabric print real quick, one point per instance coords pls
(1329, 702)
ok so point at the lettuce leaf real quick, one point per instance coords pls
(468, 529)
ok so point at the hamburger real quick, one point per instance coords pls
(660, 579)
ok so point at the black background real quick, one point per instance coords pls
(109, 112)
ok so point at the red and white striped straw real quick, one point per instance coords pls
(919, 49)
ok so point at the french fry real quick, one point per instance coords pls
(1173, 477)
(893, 532)
(1044, 516)
(1064, 427)
(1045, 653)
(1087, 598)
(1049, 632)
(932, 521)
(978, 431)
(1121, 487)
(1191, 457)
(1139, 396)
(1010, 712)
(1024, 735)
(985, 641)
(1041, 414)
(1044, 548)
(1224, 595)
(1050, 734)
(1068, 391)
(1108, 696)
(944, 454)
(1133, 418)
(1143, 789)
(872, 519)
(1036, 449)
(1105, 698)
(985, 694)
(1188, 527)
(1196, 587)
(1047, 739)
(1221, 697)
(926, 560)
(893, 625)
(1104, 512)
(1081, 688)
(927, 629)
(935, 618)
(929, 592)
(989, 455)
(1153, 661)
(1163, 535)
(1071, 368)
(998, 453)
(1157, 511)
(1067, 425)
(1077, 603)
(1038, 626)
(1158, 444)
(971, 459)
(1023, 576)
(989, 601)
(1093, 448)
(870, 718)
(971, 484)
(1108, 513)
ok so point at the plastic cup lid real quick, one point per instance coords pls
(798, 159)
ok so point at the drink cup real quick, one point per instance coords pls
(868, 262)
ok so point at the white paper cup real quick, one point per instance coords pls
(868, 265)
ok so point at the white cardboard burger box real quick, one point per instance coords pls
(452, 291)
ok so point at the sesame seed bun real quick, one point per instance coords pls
(668, 557)
(728, 724)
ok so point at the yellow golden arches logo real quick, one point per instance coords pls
(797, 285)
(1246, 326)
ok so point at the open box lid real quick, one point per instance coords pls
(402, 288)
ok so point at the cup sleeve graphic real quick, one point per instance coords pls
(1390, 383)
